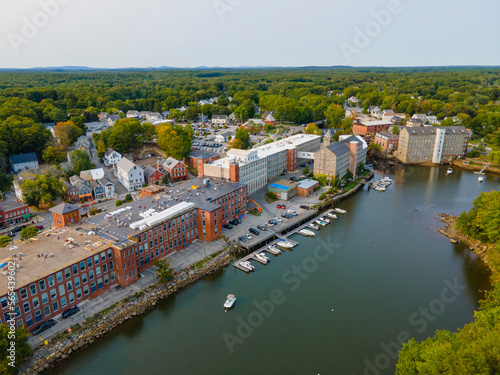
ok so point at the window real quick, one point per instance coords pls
(33, 289)
(103, 256)
(84, 278)
(59, 277)
(55, 306)
(104, 267)
(99, 283)
(69, 286)
(75, 269)
(35, 302)
(45, 298)
(77, 282)
(61, 290)
(89, 262)
(91, 275)
(112, 276)
(3, 302)
(98, 271)
(86, 289)
(46, 311)
(110, 254)
(82, 266)
(63, 302)
(26, 307)
(92, 286)
(67, 273)
(41, 284)
(78, 293)
(96, 259)
(24, 294)
(111, 265)
(38, 316)
(71, 298)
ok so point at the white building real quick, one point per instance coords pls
(219, 119)
(131, 176)
(23, 161)
(111, 157)
(221, 138)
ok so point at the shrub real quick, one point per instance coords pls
(128, 198)
(118, 203)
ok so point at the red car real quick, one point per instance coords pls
(282, 206)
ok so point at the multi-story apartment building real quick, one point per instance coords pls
(432, 144)
(387, 140)
(257, 166)
(79, 261)
(131, 176)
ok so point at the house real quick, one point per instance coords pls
(177, 170)
(83, 188)
(153, 116)
(372, 127)
(92, 174)
(112, 119)
(20, 177)
(386, 140)
(131, 176)
(133, 114)
(414, 122)
(202, 118)
(270, 120)
(97, 189)
(224, 137)
(111, 157)
(353, 112)
(65, 214)
(375, 111)
(420, 116)
(353, 100)
(219, 119)
(23, 161)
(432, 120)
(153, 176)
(109, 187)
(70, 190)
(232, 117)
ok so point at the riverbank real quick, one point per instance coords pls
(475, 167)
(46, 357)
(482, 250)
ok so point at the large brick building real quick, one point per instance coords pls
(432, 144)
(177, 170)
(372, 127)
(79, 262)
(198, 158)
(387, 140)
(12, 212)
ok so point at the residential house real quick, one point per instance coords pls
(432, 120)
(219, 119)
(177, 170)
(224, 137)
(20, 177)
(353, 112)
(353, 100)
(420, 116)
(84, 190)
(112, 119)
(109, 187)
(131, 176)
(153, 176)
(97, 189)
(270, 120)
(386, 140)
(414, 122)
(23, 161)
(202, 118)
(375, 111)
(133, 114)
(153, 116)
(111, 157)
(92, 174)
(70, 190)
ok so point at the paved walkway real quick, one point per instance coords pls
(199, 250)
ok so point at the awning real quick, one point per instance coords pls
(26, 216)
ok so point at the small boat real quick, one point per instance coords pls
(325, 220)
(307, 232)
(449, 171)
(480, 179)
(321, 222)
(387, 179)
(285, 244)
(333, 216)
(231, 299)
(273, 249)
(339, 210)
(380, 188)
(247, 265)
(262, 258)
(312, 226)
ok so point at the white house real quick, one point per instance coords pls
(375, 111)
(433, 120)
(219, 119)
(109, 187)
(133, 114)
(420, 116)
(23, 161)
(131, 176)
(153, 116)
(353, 100)
(111, 157)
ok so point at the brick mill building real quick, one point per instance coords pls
(78, 262)
(198, 158)
(371, 127)
(387, 140)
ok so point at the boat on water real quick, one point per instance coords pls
(262, 257)
(285, 244)
(333, 216)
(231, 299)
(387, 179)
(307, 232)
(449, 171)
(325, 220)
(313, 226)
(339, 210)
(247, 265)
(380, 188)
(273, 249)
(480, 179)
(321, 222)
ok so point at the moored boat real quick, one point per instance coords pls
(231, 299)
(312, 226)
(247, 265)
(339, 210)
(480, 179)
(321, 222)
(325, 220)
(261, 257)
(285, 244)
(333, 216)
(449, 171)
(307, 232)
(273, 249)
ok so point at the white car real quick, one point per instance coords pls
(248, 236)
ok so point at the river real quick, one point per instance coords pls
(336, 304)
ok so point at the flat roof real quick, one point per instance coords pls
(375, 123)
(306, 184)
(65, 246)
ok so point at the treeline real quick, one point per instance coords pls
(474, 349)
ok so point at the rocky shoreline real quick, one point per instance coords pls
(480, 249)
(46, 357)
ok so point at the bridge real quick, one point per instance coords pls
(305, 155)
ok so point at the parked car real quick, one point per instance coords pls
(261, 227)
(248, 236)
(233, 222)
(42, 327)
(242, 239)
(228, 226)
(39, 227)
(284, 215)
(282, 206)
(303, 165)
(253, 231)
(304, 207)
(70, 312)
(293, 178)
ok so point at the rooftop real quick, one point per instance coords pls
(23, 158)
(306, 184)
(375, 123)
(65, 246)
(202, 154)
(10, 204)
(64, 208)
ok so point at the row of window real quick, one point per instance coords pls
(16, 213)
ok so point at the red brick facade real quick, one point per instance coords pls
(291, 160)
(197, 163)
(364, 128)
(13, 215)
(387, 141)
(66, 219)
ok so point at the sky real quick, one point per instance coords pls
(234, 33)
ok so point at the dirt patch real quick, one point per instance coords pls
(380, 163)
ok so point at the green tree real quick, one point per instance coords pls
(18, 341)
(374, 147)
(80, 160)
(306, 171)
(52, 155)
(101, 148)
(395, 129)
(28, 232)
(163, 271)
(313, 129)
(43, 189)
(175, 141)
(4, 240)
(128, 198)
(118, 203)
(334, 115)
(66, 133)
(241, 139)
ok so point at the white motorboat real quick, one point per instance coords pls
(480, 179)
(339, 210)
(333, 216)
(449, 171)
(285, 244)
(387, 180)
(321, 222)
(312, 226)
(231, 299)
(307, 232)
(247, 265)
(380, 188)
(273, 249)
(325, 220)
(262, 257)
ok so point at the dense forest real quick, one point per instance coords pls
(474, 349)
(297, 95)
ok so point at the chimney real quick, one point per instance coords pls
(353, 148)
(234, 172)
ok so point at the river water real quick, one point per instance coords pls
(337, 304)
